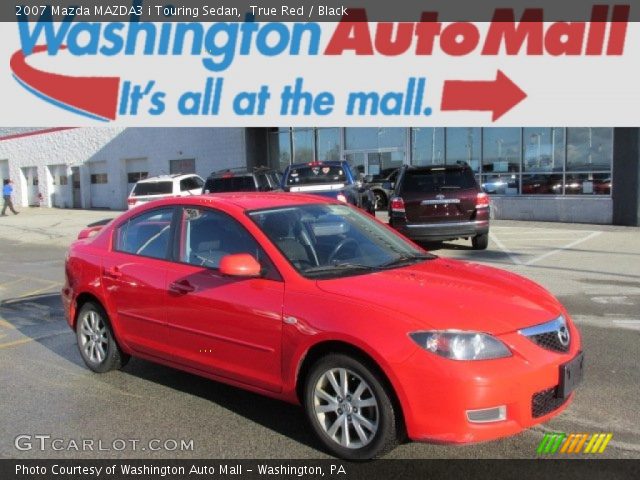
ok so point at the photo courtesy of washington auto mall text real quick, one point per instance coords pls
(325, 240)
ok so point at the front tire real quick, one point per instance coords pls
(349, 408)
(480, 242)
(96, 341)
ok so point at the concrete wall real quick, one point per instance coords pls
(626, 177)
(212, 148)
(553, 209)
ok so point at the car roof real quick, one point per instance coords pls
(241, 172)
(429, 168)
(167, 178)
(331, 163)
(250, 200)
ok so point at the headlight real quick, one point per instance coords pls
(457, 345)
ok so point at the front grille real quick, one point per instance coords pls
(550, 341)
(553, 335)
(545, 402)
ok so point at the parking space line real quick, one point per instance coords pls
(537, 232)
(10, 282)
(539, 238)
(631, 324)
(33, 279)
(15, 343)
(565, 247)
(23, 341)
(7, 325)
(501, 246)
(51, 286)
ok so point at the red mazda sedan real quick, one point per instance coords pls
(312, 301)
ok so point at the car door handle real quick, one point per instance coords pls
(181, 287)
(113, 272)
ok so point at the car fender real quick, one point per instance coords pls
(290, 388)
(358, 325)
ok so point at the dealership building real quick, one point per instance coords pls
(586, 175)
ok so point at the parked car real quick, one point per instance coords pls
(313, 301)
(261, 179)
(440, 203)
(382, 186)
(162, 186)
(332, 179)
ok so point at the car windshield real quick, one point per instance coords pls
(328, 241)
(314, 174)
(153, 188)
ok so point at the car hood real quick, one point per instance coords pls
(448, 294)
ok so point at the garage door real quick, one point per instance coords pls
(59, 188)
(31, 178)
(137, 169)
(100, 188)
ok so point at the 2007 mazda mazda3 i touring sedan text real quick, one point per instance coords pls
(312, 301)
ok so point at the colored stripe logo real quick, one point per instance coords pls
(573, 443)
(93, 97)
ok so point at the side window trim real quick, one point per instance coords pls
(176, 238)
(116, 234)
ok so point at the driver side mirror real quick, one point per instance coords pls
(368, 178)
(240, 265)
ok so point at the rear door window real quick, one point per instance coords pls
(147, 235)
(263, 182)
(190, 183)
(231, 184)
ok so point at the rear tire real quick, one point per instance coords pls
(96, 341)
(480, 242)
(381, 200)
(349, 408)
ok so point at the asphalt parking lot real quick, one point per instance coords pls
(47, 390)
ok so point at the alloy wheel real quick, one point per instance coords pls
(346, 408)
(93, 337)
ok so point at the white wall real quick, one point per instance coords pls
(213, 149)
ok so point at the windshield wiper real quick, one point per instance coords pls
(340, 266)
(407, 259)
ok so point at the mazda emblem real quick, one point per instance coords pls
(563, 335)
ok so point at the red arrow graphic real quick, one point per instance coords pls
(96, 96)
(498, 96)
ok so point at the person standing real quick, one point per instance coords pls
(7, 191)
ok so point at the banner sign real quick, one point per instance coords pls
(120, 64)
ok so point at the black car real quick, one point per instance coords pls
(438, 203)
(260, 179)
(382, 186)
(330, 179)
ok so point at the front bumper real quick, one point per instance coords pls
(437, 393)
(442, 230)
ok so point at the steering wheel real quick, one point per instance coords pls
(339, 247)
(308, 244)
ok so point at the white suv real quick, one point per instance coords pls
(162, 186)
